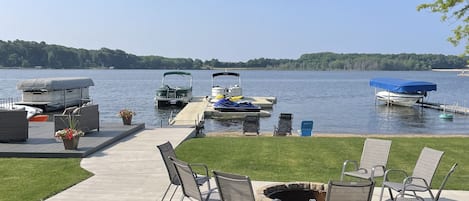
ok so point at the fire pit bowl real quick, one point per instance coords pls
(293, 191)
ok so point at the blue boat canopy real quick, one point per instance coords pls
(403, 86)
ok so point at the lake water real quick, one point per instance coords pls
(337, 102)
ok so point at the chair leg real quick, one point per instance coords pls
(390, 194)
(167, 189)
(174, 193)
(431, 194)
(381, 195)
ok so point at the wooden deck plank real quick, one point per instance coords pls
(192, 113)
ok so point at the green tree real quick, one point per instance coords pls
(455, 12)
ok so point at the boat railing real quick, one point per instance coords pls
(8, 102)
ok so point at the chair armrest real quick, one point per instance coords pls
(344, 166)
(408, 182)
(373, 169)
(390, 171)
(200, 165)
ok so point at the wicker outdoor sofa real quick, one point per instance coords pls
(13, 125)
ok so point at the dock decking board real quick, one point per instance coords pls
(191, 114)
(42, 144)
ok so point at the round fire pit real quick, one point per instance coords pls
(294, 191)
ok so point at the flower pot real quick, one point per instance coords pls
(127, 121)
(71, 144)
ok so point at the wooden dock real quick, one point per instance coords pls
(447, 108)
(194, 113)
(215, 114)
(263, 102)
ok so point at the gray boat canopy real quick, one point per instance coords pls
(176, 73)
(54, 84)
(225, 73)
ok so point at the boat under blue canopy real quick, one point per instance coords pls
(402, 86)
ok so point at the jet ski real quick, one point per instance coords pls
(226, 105)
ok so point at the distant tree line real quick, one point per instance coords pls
(29, 54)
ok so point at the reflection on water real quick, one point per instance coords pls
(164, 114)
(391, 118)
(402, 113)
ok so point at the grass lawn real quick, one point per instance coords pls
(318, 158)
(36, 179)
(262, 158)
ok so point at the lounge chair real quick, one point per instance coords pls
(232, 187)
(167, 150)
(437, 196)
(189, 184)
(373, 160)
(421, 178)
(340, 190)
(284, 125)
(306, 128)
(251, 124)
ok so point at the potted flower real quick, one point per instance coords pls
(126, 116)
(70, 136)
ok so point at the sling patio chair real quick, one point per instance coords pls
(251, 124)
(421, 178)
(167, 150)
(373, 160)
(437, 196)
(232, 187)
(190, 187)
(350, 191)
(284, 125)
(306, 128)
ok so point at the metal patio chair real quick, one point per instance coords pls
(373, 160)
(189, 184)
(251, 124)
(284, 124)
(167, 150)
(350, 191)
(421, 178)
(232, 187)
(437, 196)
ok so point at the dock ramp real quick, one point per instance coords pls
(192, 114)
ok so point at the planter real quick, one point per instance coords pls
(71, 144)
(127, 121)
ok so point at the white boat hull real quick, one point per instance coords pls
(31, 111)
(407, 100)
(226, 92)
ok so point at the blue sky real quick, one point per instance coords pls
(235, 30)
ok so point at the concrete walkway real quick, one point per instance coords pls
(132, 170)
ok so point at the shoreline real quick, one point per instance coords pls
(450, 70)
(409, 135)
